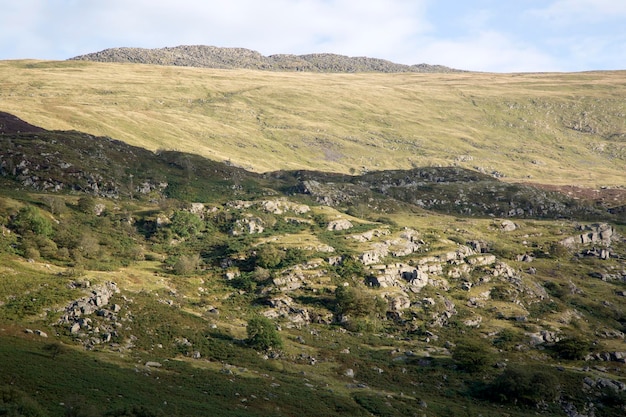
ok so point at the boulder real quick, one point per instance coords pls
(340, 224)
(507, 226)
(152, 364)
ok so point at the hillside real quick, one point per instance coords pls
(558, 129)
(163, 283)
(240, 58)
(181, 241)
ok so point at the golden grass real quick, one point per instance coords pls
(516, 124)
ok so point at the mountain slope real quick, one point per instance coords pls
(241, 58)
(557, 129)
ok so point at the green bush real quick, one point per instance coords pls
(507, 339)
(353, 301)
(524, 386)
(572, 348)
(269, 256)
(262, 334)
(86, 204)
(29, 220)
(185, 224)
(471, 356)
(134, 411)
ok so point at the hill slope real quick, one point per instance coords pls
(558, 129)
(143, 283)
(188, 241)
(241, 58)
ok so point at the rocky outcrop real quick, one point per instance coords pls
(339, 224)
(404, 245)
(283, 307)
(597, 234)
(248, 225)
(78, 316)
(228, 58)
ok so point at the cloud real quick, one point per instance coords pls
(274, 26)
(489, 51)
(571, 12)
(486, 35)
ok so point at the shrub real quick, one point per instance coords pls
(30, 220)
(187, 264)
(524, 386)
(572, 348)
(134, 411)
(269, 256)
(56, 205)
(54, 349)
(471, 356)
(185, 224)
(506, 339)
(355, 301)
(262, 334)
(87, 204)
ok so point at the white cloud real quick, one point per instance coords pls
(277, 26)
(568, 12)
(562, 35)
(489, 51)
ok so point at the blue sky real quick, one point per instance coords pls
(479, 35)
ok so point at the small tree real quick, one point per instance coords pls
(262, 334)
(353, 301)
(269, 256)
(87, 204)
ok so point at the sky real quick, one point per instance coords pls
(477, 35)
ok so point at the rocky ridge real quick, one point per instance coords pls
(231, 58)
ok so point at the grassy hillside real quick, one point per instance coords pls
(545, 128)
(343, 273)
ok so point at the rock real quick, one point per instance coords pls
(507, 226)
(349, 373)
(197, 208)
(398, 303)
(75, 328)
(596, 233)
(475, 322)
(154, 364)
(250, 225)
(341, 224)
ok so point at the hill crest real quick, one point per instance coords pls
(203, 56)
